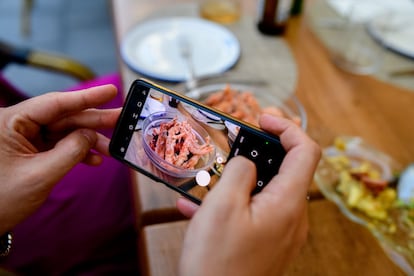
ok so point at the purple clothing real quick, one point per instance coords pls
(86, 226)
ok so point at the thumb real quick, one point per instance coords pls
(237, 181)
(186, 207)
(68, 152)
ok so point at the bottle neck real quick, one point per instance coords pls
(273, 16)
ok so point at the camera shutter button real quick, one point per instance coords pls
(254, 153)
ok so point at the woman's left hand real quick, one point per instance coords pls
(42, 139)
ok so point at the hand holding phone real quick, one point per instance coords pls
(273, 225)
(184, 144)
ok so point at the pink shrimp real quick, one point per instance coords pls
(175, 133)
(177, 144)
(198, 149)
(192, 162)
(160, 141)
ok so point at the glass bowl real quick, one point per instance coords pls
(395, 232)
(289, 107)
(153, 123)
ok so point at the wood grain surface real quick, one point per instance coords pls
(335, 246)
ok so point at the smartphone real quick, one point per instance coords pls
(184, 144)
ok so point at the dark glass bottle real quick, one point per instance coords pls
(297, 7)
(273, 16)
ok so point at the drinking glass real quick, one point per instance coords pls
(221, 11)
(357, 52)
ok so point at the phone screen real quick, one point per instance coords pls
(185, 144)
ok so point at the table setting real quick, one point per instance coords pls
(234, 52)
(381, 28)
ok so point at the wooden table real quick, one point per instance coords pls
(335, 247)
(337, 103)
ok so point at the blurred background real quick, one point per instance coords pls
(79, 29)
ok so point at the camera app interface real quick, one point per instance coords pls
(188, 147)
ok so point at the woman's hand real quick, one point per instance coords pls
(232, 233)
(44, 137)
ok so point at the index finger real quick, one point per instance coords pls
(49, 107)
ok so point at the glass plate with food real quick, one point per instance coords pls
(363, 182)
(247, 102)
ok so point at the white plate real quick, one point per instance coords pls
(395, 33)
(151, 48)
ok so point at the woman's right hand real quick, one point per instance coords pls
(234, 233)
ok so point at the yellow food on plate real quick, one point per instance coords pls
(361, 186)
(357, 195)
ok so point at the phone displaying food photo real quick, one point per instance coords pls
(185, 144)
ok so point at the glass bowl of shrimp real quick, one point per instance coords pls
(247, 102)
(176, 144)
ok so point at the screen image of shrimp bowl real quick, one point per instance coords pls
(176, 145)
(183, 150)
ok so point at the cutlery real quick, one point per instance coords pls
(186, 52)
(402, 73)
